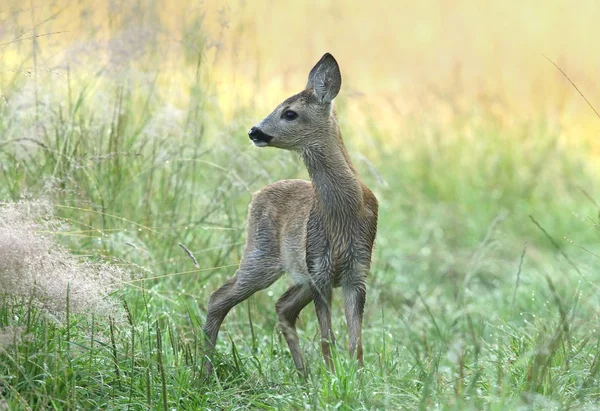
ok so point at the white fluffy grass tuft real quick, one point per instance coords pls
(33, 265)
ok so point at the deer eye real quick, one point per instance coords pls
(289, 115)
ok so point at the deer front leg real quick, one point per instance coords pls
(355, 296)
(322, 298)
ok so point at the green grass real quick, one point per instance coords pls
(470, 304)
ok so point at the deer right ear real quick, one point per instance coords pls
(325, 79)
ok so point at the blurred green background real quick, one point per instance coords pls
(131, 118)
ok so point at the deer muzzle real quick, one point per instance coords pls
(259, 138)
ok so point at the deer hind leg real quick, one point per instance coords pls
(249, 278)
(288, 308)
(322, 297)
(355, 296)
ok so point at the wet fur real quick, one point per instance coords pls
(321, 231)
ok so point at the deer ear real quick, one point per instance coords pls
(325, 79)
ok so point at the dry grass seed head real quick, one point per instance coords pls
(31, 263)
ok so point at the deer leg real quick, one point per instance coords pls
(322, 298)
(288, 308)
(241, 286)
(355, 295)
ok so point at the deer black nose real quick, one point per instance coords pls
(259, 138)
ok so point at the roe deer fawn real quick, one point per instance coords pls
(320, 232)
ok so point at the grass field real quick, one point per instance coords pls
(123, 138)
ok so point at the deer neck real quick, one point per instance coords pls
(337, 188)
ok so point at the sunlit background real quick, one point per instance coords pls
(127, 120)
(425, 60)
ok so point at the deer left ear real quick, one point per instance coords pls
(325, 79)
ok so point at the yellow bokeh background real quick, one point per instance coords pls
(400, 59)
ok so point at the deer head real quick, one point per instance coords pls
(305, 120)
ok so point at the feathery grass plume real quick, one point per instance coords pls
(31, 263)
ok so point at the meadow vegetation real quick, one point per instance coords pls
(123, 151)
